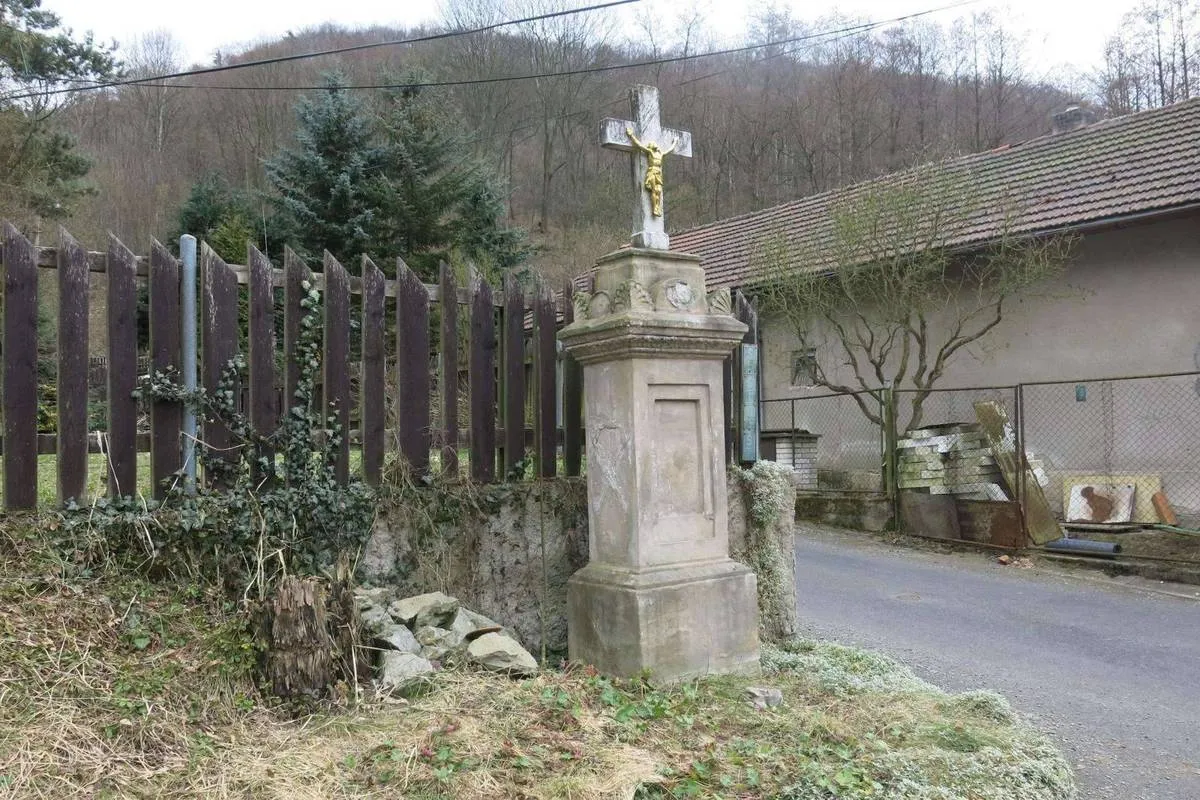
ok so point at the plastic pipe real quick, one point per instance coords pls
(1084, 546)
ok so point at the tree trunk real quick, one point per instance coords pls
(310, 638)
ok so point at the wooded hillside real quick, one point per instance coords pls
(770, 124)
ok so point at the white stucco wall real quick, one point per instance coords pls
(1129, 304)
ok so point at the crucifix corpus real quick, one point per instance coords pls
(648, 142)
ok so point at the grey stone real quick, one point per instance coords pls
(376, 620)
(436, 643)
(479, 620)
(398, 670)
(763, 697)
(400, 638)
(376, 596)
(500, 653)
(434, 609)
(463, 625)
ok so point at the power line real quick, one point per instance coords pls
(316, 54)
(839, 33)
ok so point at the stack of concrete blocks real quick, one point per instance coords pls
(954, 459)
(796, 449)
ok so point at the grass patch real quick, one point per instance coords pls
(97, 477)
(115, 686)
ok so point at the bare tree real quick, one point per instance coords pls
(892, 302)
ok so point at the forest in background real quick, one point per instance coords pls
(770, 124)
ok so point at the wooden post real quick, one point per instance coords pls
(337, 360)
(219, 323)
(309, 638)
(514, 374)
(449, 371)
(73, 292)
(374, 373)
(546, 370)
(166, 418)
(295, 274)
(264, 413)
(482, 376)
(20, 371)
(572, 395)
(412, 368)
(122, 369)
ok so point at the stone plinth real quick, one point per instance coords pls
(660, 591)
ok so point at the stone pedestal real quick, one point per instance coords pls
(660, 592)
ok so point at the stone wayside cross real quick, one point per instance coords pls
(648, 142)
(659, 591)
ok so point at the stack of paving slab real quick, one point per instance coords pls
(951, 459)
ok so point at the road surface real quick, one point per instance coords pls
(1110, 669)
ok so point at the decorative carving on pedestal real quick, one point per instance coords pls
(632, 296)
(720, 301)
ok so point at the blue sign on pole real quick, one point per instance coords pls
(749, 402)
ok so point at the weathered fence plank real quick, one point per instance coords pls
(572, 396)
(482, 377)
(166, 418)
(449, 375)
(122, 369)
(374, 373)
(412, 368)
(219, 314)
(337, 361)
(297, 273)
(20, 371)
(514, 374)
(545, 362)
(264, 413)
(71, 379)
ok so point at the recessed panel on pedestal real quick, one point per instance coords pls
(678, 495)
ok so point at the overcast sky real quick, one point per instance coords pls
(1060, 32)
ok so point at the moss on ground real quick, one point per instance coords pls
(114, 685)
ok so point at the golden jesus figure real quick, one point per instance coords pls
(654, 174)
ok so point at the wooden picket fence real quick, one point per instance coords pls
(497, 359)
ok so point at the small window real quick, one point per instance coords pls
(804, 367)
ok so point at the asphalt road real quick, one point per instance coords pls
(1110, 669)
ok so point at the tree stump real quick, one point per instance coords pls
(310, 639)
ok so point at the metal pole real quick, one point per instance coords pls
(1021, 488)
(187, 289)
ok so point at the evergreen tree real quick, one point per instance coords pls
(399, 181)
(42, 171)
(220, 215)
(327, 188)
(439, 197)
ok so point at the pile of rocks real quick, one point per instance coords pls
(415, 636)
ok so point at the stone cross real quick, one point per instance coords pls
(648, 142)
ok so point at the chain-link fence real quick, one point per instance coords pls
(1111, 450)
(1135, 437)
(833, 441)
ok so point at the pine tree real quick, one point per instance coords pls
(327, 189)
(438, 196)
(401, 180)
(43, 173)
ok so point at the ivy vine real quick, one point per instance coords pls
(273, 505)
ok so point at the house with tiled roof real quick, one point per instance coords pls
(1128, 303)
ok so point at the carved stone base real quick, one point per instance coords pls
(677, 623)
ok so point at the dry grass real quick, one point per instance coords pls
(113, 686)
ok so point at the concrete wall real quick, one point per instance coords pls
(1129, 304)
(505, 551)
